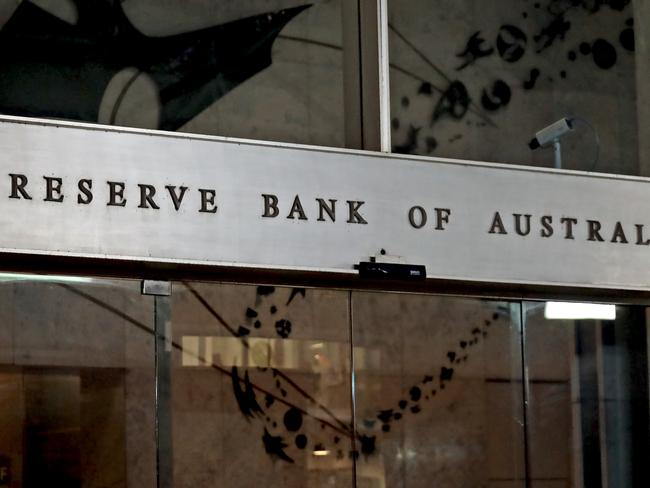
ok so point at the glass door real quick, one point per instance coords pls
(438, 391)
(587, 394)
(261, 386)
(77, 383)
(230, 385)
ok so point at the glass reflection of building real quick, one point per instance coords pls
(307, 385)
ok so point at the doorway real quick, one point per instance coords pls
(222, 384)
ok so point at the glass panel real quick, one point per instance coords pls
(588, 422)
(77, 383)
(438, 391)
(260, 386)
(477, 81)
(261, 69)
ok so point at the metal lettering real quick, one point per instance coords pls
(176, 198)
(270, 206)
(518, 229)
(355, 216)
(442, 217)
(594, 227)
(547, 230)
(18, 184)
(116, 191)
(52, 186)
(639, 236)
(207, 201)
(329, 210)
(147, 193)
(423, 217)
(619, 235)
(85, 195)
(497, 226)
(568, 226)
(297, 208)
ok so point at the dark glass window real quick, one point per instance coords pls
(256, 69)
(476, 80)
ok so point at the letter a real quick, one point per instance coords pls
(497, 226)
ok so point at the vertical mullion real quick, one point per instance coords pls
(163, 352)
(353, 399)
(366, 75)
(384, 76)
(525, 392)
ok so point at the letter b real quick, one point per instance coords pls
(270, 206)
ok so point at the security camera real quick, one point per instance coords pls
(550, 134)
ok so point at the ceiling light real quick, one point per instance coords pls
(577, 311)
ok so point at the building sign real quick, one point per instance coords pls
(78, 190)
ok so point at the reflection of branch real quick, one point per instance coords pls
(473, 107)
(310, 41)
(281, 374)
(420, 54)
(345, 431)
(417, 77)
(339, 48)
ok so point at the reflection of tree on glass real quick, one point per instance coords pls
(55, 68)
